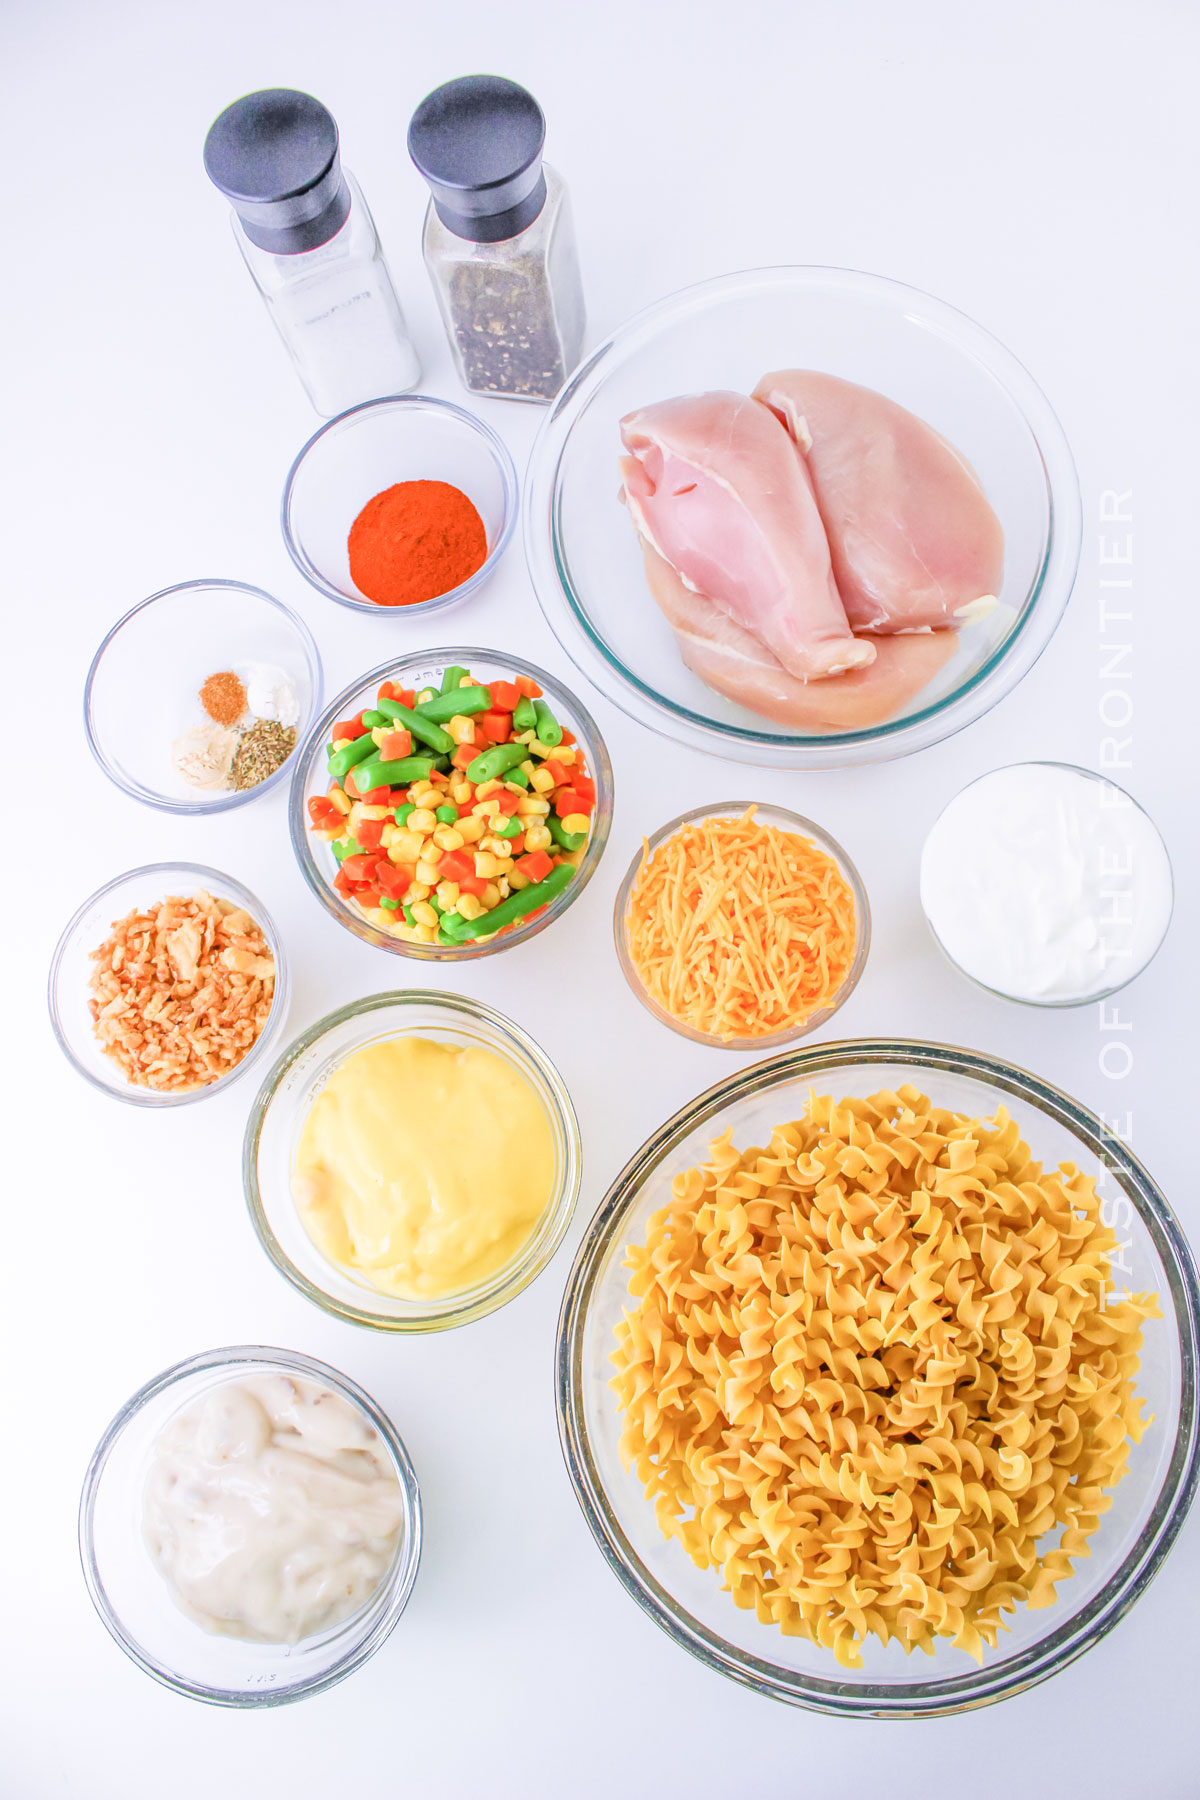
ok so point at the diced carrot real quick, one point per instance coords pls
(341, 882)
(369, 831)
(322, 812)
(387, 690)
(380, 796)
(394, 745)
(367, 896)
(505, 695)
(348, 729)
(506, 801)
(570, 800)
(360, 868)
(568, 736)
(394, 879)
(525, 684)
(583, 784)
(536, 865)
(560, 776)
(498, 725)
(464, 756)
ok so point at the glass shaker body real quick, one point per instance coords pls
(337, 313)
(513, 310)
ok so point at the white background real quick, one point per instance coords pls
(1032, 162)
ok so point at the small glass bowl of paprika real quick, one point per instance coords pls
(486, 807)
(403, 504)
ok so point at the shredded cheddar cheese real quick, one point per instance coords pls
(740, 930)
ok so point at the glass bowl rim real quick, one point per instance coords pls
(230, 1357)
(472, 1303)
(840, 1696)
(505, 467)
(147, 1097)
(791, 821)
(194, 808)
(999, 673)
(304, 754)
(1049, 762)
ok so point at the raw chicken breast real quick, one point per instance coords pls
(738, 665)
(913, 539)
(714, 483)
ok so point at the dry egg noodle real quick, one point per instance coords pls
(873, 1365)
(739, 929)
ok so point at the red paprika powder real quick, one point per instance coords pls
(415, 541)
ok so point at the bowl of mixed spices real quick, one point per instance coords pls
(198, 697)
(400, 504)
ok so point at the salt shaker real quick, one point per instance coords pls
(499, 241)
(310, 244)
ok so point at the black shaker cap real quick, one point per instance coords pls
(274, 155)
(478, 143)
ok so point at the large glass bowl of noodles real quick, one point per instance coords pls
(1131, 1530)
(584, 556)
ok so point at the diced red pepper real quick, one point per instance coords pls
(395, 745)
(536, 865)
(525, 684)
(570, 800)
(505, 695)
(506, 801)
(497, 725)
(394, 879)
(360, 868)
(368, 832)
(464, 756)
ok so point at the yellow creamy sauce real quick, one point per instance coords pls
(423, 1168)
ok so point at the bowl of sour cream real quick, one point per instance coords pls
(1047, 884)
(250, 1527)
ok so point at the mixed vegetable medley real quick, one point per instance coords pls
(454, 812)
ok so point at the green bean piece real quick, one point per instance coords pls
(451, 677)
(377, 774)
(408, 915)
(346, 846)
(490, 764)
(459, 703)
(403, 812)
(422, 728)
(516, 778)
(510, 827)
(342, 761)
(566, 840)
(446, 815)
(549, 731)
(451, 928)
(390, 905)
(373, 719)
(524, 717)
(517, 906)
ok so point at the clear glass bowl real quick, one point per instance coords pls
(71, 968)
(783, 820)
(1148, 1506)
(134, 1601)
(408, 437)
(143, 687)
(583, 553)
(1127, 974)
(282, 1105)
(317, 862)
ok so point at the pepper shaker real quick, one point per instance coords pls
(310, 244)
(499, 241)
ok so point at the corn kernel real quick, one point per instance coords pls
(447, 893)
(425, 695)
(460, 792)
(449, 837)
(523, 737)
(374, 812)
(388, 836)
(424, 793)
(377, 733)
(469, 906)
(490, 896)
(418, 890)
(406, 846)
(537, 748)
(541, 781)
(575, 822)
(326, 837)
(461, 729)
(485, 864)
(427, 874)
(422, 820)
(466, 681)
(517, 881)
(424, 914)
(487, 787)
(426, 934)
(471, 829)
(537, 837)
(494, 846)
(337, 797)
(533, 807)
(502, 884)
(565, 754)
(402, 930)
(504, 863)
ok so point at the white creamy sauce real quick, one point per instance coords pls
(1046, 883)
(272, 1509)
